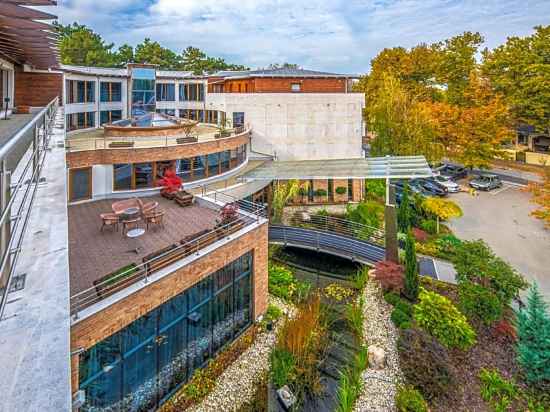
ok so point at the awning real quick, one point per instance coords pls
(392, 167)
(243, 190)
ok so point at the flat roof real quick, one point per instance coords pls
(393, 167)
(94, 254)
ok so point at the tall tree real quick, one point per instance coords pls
(81, 46)
(533, 347)
(124, 55)
(520, 70)
(153, 53)
(404, 213)
(195, 60)
(412, 282)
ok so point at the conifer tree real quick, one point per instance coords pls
(533, 330)
(404, 211)
(411, 269)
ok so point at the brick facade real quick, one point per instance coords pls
(357, 195)
(92, 330)
(37, 89)
(282, 85)
(88, 158)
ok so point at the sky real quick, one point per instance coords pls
(332, 35)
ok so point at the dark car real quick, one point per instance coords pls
(413, 190)
(486, 182)
(430, 186)
(454, 172)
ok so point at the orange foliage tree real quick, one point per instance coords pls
(541, 196)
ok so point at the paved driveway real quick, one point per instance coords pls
(502, 219)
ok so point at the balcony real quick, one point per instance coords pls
(103, 264)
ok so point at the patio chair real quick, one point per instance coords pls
(155, 218)
(130, 224)
(109, 220)
(120, 206)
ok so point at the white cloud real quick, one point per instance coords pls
(337, 35)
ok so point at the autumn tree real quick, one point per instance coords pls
(519, 69)
(441, 209)
(541, 197)
(283, 192)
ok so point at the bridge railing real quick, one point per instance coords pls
(339, 226)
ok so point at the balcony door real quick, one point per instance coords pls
(80, 184)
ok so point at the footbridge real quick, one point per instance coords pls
(339, 237)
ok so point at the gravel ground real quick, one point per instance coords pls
(237, 384)
(380, 385)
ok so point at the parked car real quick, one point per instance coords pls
(454, 172)
(486, 182)
(429, 187)
(447, 182)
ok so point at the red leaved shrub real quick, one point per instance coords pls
(505, 329)
(390, 276)
(419, 235)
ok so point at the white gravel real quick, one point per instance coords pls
(237, 384)
(379, 385)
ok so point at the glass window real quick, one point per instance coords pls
(295, 87)
(225, 155)
(199, 336)
(109, 116)
(143, 175)
(183, 169)
(238, 119)
(110, 91)
(222, 319)
(213, 164)
(199, 293)
(80, 184)
(122, 176)
(166, 92)
(242, 303)
(143, 91)
(199, 167)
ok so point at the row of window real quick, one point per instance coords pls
(138, 367)
(132, 176)
(76, 121)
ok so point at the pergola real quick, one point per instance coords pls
(24, 37)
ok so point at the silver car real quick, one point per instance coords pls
(448, 183)
(486, 182)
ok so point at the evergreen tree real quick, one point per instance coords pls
(411, 269)
(404, 213)
(533, 329)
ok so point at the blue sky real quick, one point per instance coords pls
(334, 35)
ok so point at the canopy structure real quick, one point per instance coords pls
(388, 167)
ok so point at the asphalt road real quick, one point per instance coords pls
(502, 219)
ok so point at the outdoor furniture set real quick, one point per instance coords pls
(130, 213)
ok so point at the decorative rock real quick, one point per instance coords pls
(286, 397)
(371, 273)
(305, 217)
(377, 357)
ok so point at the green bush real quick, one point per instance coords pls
(447, 246)
(272, 313)
(533, 345)
(478, 302)
(367, 212)
(282, 368)
(399, 318)
(409, 399)
(439, 317)
(404, 307)
(354, 317)
(375, 188)
(283, 284)
(392, 298)
(341, 190)
(320, 192)
(474, 261)
(424, 362)
(429, 225)
(499, 392)
(360, 278)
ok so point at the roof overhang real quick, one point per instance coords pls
(388, 167)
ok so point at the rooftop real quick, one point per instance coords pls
(280, 72)
(123, 72)
(94, 254)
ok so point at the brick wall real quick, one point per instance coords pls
(92, 330)
(283, 85)
(37, 89)
(111, 156)
(343, 197)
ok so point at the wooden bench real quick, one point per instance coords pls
(187, 139)
(162, 261)
(118, 145)
(203, 239)
(184, 198)
(115, 281)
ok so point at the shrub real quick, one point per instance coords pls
(477, 302)
(367, 212)
(351, 381)
(336, 292)
(282, 368)
(390, 276)
(409, 399)
(283, 284)
(428, 248)
(419, 235)
(439, 317)
(341, 190)
(375, 188)
(496, 390)
(392, 298)
(533, 346)
(404, 211)
(506, 330)
(354, 317)
(474, 261)
(429, 225)
(272, 313)
(399, 318)
(411, 270)
(405, 307)
(320, 192)
(424, 362)
(447, 245)
(360, 278)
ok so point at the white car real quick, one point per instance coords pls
(447, 182)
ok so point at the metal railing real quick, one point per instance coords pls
(17, 196)
(256, 209)
(339, 226)
(76, 143)
(143, 271)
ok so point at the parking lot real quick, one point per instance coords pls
(501, 218)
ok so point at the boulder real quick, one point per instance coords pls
(377, 357)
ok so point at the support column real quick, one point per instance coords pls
(390, 215)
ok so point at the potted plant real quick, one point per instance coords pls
(171, 184)
(223, 129)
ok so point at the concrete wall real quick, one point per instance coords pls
(298, 126)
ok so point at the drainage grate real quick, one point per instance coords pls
(17, 283)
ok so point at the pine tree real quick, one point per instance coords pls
(411, 269)
(533, 329)
(404, 211)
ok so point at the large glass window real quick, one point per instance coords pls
(224, 161)
(143, 173)
(238, 119)
(213, 164)
(199, 167)
(191, 92)
(122, 176)
(143, 91)
(80, 91)
(109, 116)
(76, 121)
(166, 92)
(183, 169)
(137, 367)
(80, 184)
(110, 91)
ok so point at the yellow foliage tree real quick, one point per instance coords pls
(441, 209)
(282, 193)
(541, 196)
